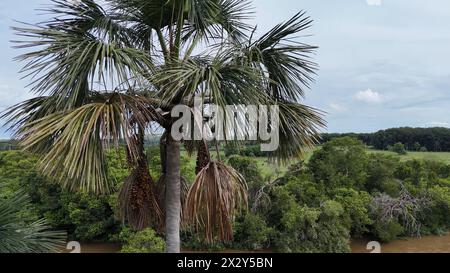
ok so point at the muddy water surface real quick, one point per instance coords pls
(426, 244)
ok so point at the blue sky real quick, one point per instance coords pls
(383, 63)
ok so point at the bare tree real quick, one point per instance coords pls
(405, 209)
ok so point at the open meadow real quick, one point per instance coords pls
(432, 156)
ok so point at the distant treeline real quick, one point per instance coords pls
(6, 145)
(415, 139)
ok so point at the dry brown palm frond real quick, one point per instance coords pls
(214, 198)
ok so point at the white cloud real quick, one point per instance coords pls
(369, 96)
(336, 107)
(374, 2)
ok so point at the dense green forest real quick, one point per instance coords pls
(342, 192)
(415, 139)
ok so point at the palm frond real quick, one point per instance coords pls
(80, 48)
(299, 131)
(72, 142)
(286, 61)
(233, 17)
(219, 79)
(216, 195)
(28, 111)
(285, 68)
(211, 19)
(156, 14)
(18, 236)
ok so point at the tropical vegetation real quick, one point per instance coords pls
(343, 192)
(415, 139)
(106, 74)
(20, 232)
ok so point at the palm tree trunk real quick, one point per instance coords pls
(173, 202)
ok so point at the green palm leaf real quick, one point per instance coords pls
(73, 55)
(286, 61)
(17, 236)
(72, 142)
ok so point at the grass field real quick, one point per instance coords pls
(434, 156)
(272, 171)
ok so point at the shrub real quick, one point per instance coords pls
(399, 148)
(145, 241)
(248, 167)
(231, 149)
(90, 217)
(251, 232)
(356, 210)
(437, 217)
(380, 172)
(319, 230)
(303, 228)
(304, 189)
(416, 146)
(340, 163)
(387, 232)
(253, 151)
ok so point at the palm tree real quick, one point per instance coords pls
(18, 236)
(105, 74)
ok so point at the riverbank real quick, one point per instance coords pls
(426, 244)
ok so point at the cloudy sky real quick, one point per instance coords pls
(383, 63)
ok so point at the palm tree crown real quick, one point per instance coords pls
(104, 74)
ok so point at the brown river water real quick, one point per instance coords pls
(426, 244)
